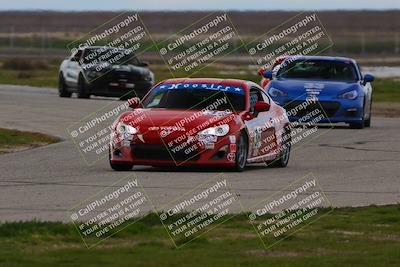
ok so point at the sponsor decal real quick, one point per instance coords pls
(313, 90)
(318, 86)
(217, 113)
(232, 139)
(209, 146)
(232, 148)
(231, 157)
(257, 138)
(201, 86)
(167, 128)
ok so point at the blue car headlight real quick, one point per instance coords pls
(276, 92)
(349, 95)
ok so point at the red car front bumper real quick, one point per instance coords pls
(157, 154)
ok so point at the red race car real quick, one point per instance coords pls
(201, 122)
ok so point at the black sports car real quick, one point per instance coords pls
(104, 71)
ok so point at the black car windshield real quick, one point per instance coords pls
(110, 55)
(196, 97)
(318, 70)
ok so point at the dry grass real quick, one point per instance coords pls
(25, 64)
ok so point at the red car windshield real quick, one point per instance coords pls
(195, 99)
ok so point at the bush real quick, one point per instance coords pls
(24, 75)
(25, 64)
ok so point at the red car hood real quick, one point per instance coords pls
(185, 120)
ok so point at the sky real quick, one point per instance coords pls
(78, 5)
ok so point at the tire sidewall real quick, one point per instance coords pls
(82, 87)
(240, 164)
(285, 153)
(367, 122)
(62, 87)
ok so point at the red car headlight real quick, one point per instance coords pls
(123, 128)
(219, 131)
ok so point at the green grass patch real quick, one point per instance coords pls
(38, 78)
(367, 236)
(11, 140)
(386, 90)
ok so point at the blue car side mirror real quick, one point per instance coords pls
(268, 75)
(368, 78)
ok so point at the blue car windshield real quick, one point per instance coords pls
(318, 70)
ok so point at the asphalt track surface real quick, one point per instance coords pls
(353, 167)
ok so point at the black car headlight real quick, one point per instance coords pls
(94, 74)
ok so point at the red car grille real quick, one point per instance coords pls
(160, 152)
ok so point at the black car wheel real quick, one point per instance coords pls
(62, 87)
(241, 153)
(363, 123)
(283, 158)
(120, 167)
(358, 125)
(82, 88)
(367, 122)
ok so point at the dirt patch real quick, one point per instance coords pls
(386, 109)
(5, 150)
(280, 253)
(352, 233)
(385, 238)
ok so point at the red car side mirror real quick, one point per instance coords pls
(261, 107)
(134, 102)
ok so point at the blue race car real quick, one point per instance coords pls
(333, 85)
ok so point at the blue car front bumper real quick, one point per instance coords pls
(327, 109)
